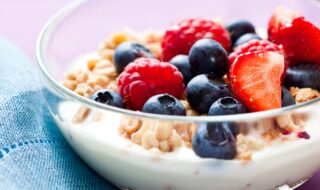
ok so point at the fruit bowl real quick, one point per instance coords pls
(92, 129)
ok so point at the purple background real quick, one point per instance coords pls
(21, 22)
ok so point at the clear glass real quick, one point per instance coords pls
(92, 128)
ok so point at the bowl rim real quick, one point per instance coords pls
(53, 22)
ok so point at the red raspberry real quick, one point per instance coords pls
(147, 77)
(254, 46)
(179, 38)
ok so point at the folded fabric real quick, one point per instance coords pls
(33, 153)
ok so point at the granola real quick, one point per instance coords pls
(304, 94)
(163, 135)
(98, 74)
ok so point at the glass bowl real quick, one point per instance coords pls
(92, 128)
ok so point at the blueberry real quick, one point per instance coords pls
(304, 75)
(287, 99)
(164, 104)
(127, 52)
(234, 127)
(203, 90)
(214, 142)
(226, 106)
(183, 65)
(108, 97)
(238, 28)
(246, 38)
(208, 56)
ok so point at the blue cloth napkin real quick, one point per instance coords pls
(33, 153)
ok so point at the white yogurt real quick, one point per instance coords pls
(130, 165)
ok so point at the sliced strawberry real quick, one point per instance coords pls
(257, 46)
(255, 80)
(254, 45)
(300, 38)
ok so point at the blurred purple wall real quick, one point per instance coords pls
(21, 20)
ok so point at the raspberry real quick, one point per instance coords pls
(253, 46)
(179, 38)
(147, 77)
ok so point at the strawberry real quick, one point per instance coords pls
(280, 19)
(257, 46)
(255, 80)
(254, 46)
(300, 38)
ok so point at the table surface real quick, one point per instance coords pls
(21, 22)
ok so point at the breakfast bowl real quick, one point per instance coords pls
(138, 150)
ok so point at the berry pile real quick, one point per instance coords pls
(220, 71)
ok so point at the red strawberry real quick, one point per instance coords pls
(254, 46)
(179, 38)
(280, 19)
(300, 38)
(257, 46)
(255, 80)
